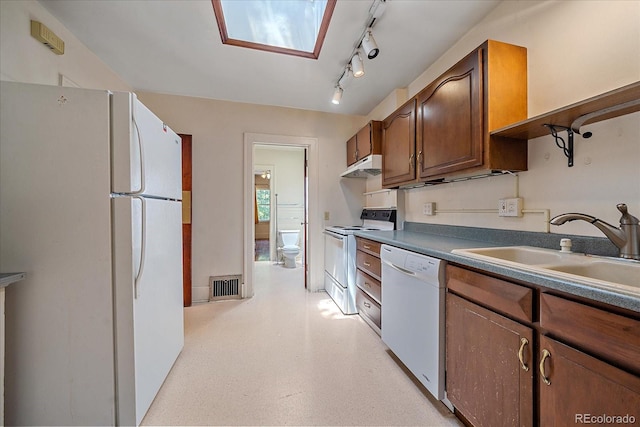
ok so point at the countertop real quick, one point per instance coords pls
(438, 242)
(8, 278)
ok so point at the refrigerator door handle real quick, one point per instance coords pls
(143, 244)
(141, 147)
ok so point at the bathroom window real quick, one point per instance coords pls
(263, 204)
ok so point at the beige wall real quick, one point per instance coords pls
(24, 59)
(218, 129)
(576, 50)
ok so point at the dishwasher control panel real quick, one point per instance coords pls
(420, 264)
(428, 269)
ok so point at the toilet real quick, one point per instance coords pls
(290, 249)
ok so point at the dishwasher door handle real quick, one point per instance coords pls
(400, 269)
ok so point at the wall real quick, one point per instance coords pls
(218, 128)
(576, 50)
(24, 59)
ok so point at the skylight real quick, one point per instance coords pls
(292, 27)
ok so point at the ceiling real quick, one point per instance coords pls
(174, 47)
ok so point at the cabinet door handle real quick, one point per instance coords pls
(420, 157)
(411, 161)
(545, 355)
(523, 343)
(367, 264)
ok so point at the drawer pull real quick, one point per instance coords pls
(523, 343)
(545, 355)
(367, 264)
(366, 304)
(367, 247)
(367, 285)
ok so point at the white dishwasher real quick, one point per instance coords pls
(413, 295)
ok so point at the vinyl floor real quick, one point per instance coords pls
(288, 357)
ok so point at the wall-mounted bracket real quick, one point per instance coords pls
(566, 147)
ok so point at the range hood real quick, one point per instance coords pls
(364, 168)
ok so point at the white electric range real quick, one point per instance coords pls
(340, 255)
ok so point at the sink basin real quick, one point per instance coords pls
(607, 273)
(516, 254)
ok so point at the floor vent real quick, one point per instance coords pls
(224, 287)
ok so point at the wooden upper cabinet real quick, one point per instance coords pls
(398, 146)
(484, 91)
(367, 141)
(449, 127)
(451, 119)
(352, 151)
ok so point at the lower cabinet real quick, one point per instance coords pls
(368, 282)
(565, 364)
(576, 388)
(489, 372)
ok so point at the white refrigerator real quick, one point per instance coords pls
(90, 209)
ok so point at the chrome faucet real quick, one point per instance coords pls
(626, 238)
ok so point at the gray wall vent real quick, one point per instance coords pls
(224, 287)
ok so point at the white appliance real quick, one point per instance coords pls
(340, 256)
(413, 323)
(365, 167)
(90, 209)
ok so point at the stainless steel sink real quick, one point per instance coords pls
(607, 273)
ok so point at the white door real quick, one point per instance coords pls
(149, 313)
(147, 154)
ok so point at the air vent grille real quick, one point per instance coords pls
(44, 35)
(224, 287)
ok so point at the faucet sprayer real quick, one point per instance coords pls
(626, 238)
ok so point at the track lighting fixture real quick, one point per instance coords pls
(357, 66)
(337, 95)
(366, 42)
(369, 45)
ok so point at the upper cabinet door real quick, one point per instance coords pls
(450, 120)
(398, 146)
(369, 139)
(352, 151)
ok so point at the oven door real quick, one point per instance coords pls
(335, 263)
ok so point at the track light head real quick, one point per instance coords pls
(369, 45)
(357, 66)
(337, 95)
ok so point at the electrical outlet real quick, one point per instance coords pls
(510, 207)
(429, 208)
(326, 216)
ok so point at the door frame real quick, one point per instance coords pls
(311, 212)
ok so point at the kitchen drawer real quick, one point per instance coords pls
(369, 285)
(368, 308)
(368, 246)
(504, 297)
(601, 333)
(369, 264)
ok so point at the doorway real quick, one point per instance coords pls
(280, 202)
(305, 220)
